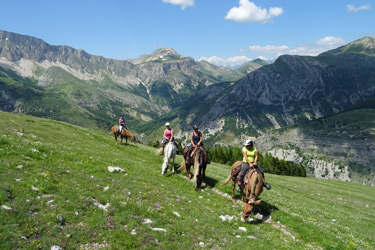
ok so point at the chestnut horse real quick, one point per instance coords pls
(125, 133)
(253, 188)
(199, 158)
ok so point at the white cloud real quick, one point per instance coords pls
(184, 3)
(285, 50)
(271, 49)
(351, 8)
(248, 12)
(330, 41)
(230, 62)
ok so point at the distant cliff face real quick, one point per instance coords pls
(299, 88)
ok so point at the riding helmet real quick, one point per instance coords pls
(167, 124)
(195, 127)
(248, 142)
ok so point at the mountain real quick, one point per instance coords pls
(338, 147)
(251, 66)
(317, 111)
(292, 90)
(101, 88)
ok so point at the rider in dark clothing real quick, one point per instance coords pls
(196, 140)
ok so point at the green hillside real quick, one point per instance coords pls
(49, 168)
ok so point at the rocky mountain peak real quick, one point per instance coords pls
(160, 55)
(365, 45)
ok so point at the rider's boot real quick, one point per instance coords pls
(268, 186)
(239, 190)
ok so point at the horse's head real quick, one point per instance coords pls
(247, 209)
(133, 139)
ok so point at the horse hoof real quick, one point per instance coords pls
(196, 189)
(204, 183)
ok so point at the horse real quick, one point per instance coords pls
(236, 168)
(125, 133)
(253, 188)
(199, 157)
(169, 153)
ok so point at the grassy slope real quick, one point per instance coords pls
(71, 163)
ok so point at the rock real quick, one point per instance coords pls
(17, 180)
(177, 214)
(147, 221)
(201, 244)
(56, 248)
(227, 217)
(19, 166)
(6, 207)
(105, 189)
(159, 229)
(34, 188)
(115, 169)
(243, 229)
(104, 207)
(133, 232)
(19, 134)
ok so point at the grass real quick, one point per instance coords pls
(64, 168)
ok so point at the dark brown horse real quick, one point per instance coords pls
(199, 158)
(125, 133)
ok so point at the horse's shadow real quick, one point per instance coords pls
(264, 210)
(128, 144)
(210, 182)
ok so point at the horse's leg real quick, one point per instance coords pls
(204, 175)
(188, 175)
(233, 187)
(173, 164)
(115, 137)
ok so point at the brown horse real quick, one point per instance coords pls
(125, 133)
(199, 158)
(253, 188)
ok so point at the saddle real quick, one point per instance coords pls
(248, 173)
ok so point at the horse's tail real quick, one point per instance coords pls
(226, 180)
(183, 166)
(113, 130)
(159, 151)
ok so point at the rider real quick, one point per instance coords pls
(121, 122)
(168, 137)
(196, 140)
(250, 157)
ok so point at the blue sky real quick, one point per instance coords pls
(224, 32)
